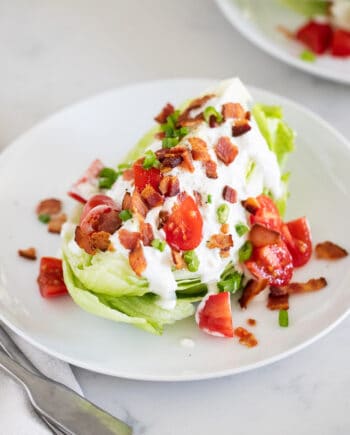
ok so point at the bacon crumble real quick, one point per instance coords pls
(178, 260)
(211, 169)
(185, 119)
(29, 253)
(225, 228)
(199, 149)
(128, 239)
(162, 218)
(232, 110)
(126, 203)
(169, 185)
(100, 240)
(151, 197)
(278, 302)
(262, 236)
(56, 222)
(92, 242)
(225, 150)
(329, 251)
(167, 110)
(49, 206)
(146, 233)
(240, 127)
(251, 205)
(229, 194)
(198, 198)
(245, 337)
(252, 289)
(251, 322)
(137, 259)
(137, 204)
(311, 285)
(221, 241)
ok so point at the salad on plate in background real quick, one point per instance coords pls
(192, 215)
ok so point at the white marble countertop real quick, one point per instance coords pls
(55, 53)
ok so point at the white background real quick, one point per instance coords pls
(54, 53)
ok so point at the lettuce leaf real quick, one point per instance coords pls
(142, 312)
(308, 8)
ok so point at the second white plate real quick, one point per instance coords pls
(43, 163)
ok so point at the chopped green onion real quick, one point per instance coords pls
(222, 213)
(308, 56)
(245, 251)
(191, 260)
(158, 244)
(232, 283)
(182, 131)
(125, 215)
(209, 199)
(283, 319)
(151, 160)
(250, 170)
(169, 142)
(241, 229)
(107, 177)
(211, 111)
(44, 218)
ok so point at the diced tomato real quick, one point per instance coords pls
(214, 315)
(87, 185)
(297, 236)
(183, 228)
(271, 262)
(50, 277)
(144, 176)
(267, 214)
(95, 201)
(316, 36)
(341, 43)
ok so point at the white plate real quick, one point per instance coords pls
(43, 163)
(258, 20)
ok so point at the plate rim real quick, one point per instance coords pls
(232, 14)
(17, 143)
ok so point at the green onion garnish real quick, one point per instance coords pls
(222, 213)
(125, 215)
(173, 135)
(44, 218)
(169, 142)
(245, 251)
(209, 199)
(151, 160)
(308, 56)
(191, 260)
(241, 229)
(107, 177)
(231, 284)
(283, 319)
(211, 111)
(158, 244)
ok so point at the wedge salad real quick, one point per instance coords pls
(191, 216)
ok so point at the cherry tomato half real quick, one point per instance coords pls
(271, 262)
(183, 228)
(50, 277)
(297, 236)
(267, 214)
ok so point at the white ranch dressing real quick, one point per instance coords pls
(252, 148)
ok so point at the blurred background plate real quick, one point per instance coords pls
(258, 20)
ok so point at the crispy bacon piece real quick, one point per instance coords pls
(126, 204)
(29, 253)
(199, 149)
(177, 156)
(225, 150)
(146, 233)
(151, 197)
(137, 259)
(221, 241)
(245, 337)
(171, 161)
(224, 253)
(137, 205)
(225, 228)
(251, 322)
(312, 285)
(50, 206)
(240, 127)
(198, 198)
(280, 302)
(251, 205)
(100, 240)
(160, 135)
(187, 164)
(278, 291)
(128, 239)
(262, 236)
(128, 174)
(185, 117)
(191, 122)
(229, 194)
(167, 110)
(211, 169)
(232, 110)
(251, 289)
(178, 260)
(91, 242)
(247, 115)
(329, 251)
(108, 221)
(169, 185)
(56, 222)
(163, 217)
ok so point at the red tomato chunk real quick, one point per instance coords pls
(50, 277)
